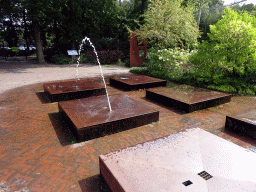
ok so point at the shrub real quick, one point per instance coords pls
(169, 24)
(108, 43)
(231, 50)
(83, 59)
(49, 53)
(105, 57)
(61, 59)
(167, 63)
(228, 60)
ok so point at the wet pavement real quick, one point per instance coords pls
(38, 152)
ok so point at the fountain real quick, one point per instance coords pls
(187, 98)
(191, 160)
(101, 72)
(134, 82)
(93, 117)
(90, 118)
(244, 123)
(78, 88)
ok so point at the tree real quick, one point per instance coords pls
(10, 13)
(231, 50)
(67, 22)
(36, 13)
(169, 24)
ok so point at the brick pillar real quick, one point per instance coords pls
(135, 59)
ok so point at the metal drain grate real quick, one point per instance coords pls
(205, 175)
(187, 183)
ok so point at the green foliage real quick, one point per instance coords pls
(169, 24)
(232, 47)
(227, 62)
(83, 59)
(127, 62)
(169, 64)
(167, 59)
(228, 59)
(250, 8)
(61, 59)
(105, 57)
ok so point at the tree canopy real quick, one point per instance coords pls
(230, 53)
(169, 24)
(64, 23)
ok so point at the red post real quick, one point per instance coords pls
(135, 59)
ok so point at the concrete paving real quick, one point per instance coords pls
(17, 72)
(39, 153)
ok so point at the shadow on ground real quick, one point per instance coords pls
(42, 96)
(239, 138)
(94, 183)
(63, 133)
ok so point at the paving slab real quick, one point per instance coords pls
(190, 160)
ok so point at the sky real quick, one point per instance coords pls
(226, 2)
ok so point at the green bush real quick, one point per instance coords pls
(228, 60)
(61, 59)
(169, 24)
(83, 59)
(168, 63)
(49, 53)
(105, 57)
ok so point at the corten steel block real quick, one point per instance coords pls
(134, 82)
(193, 160)
(187, 98)
(243, 123)
(135, 59)
(73, 89)
(90, 118)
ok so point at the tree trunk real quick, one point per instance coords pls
(199, 17)
(56, 30)
(39, 50)
(142, 6)
(26, 33)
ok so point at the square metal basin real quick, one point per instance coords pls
(243, 123)
(187, 98)
(134, 82)
(73, 89)
(89, 118)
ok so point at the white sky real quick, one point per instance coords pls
(245, 2)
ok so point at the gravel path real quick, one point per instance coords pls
(19, 72)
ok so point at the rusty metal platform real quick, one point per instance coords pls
(187, 98)
(243, 123)
(134, 82)
(73, 89)
(90, 117)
